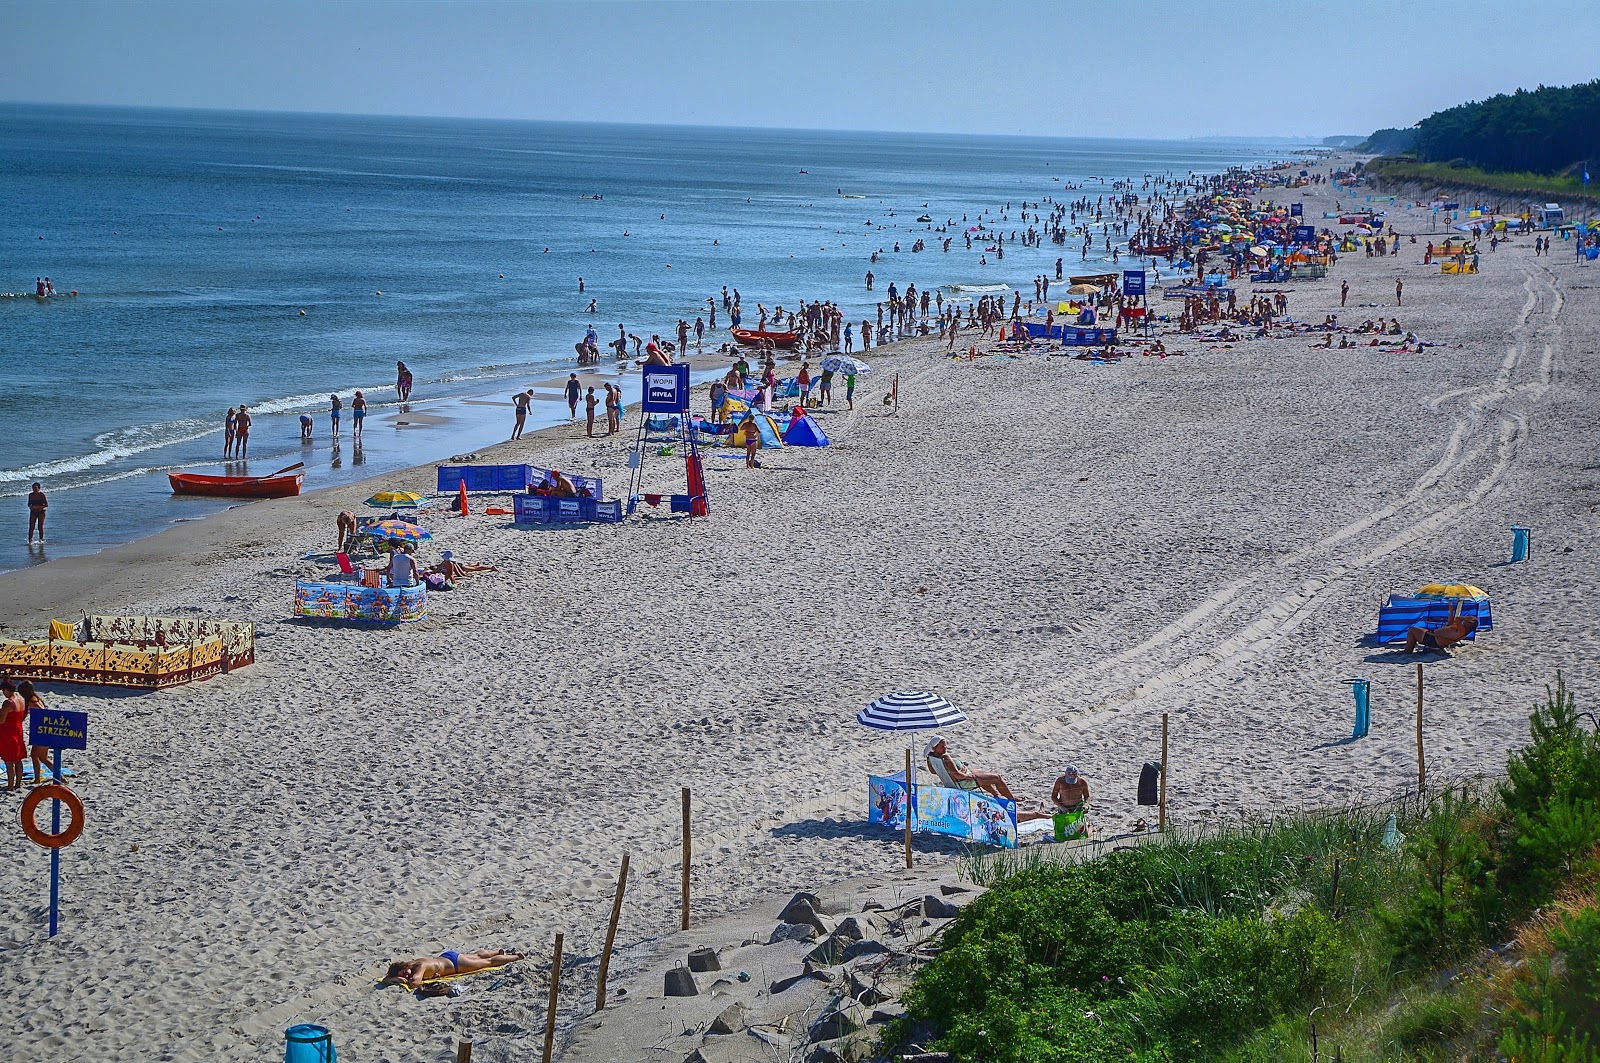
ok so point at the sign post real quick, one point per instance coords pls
(57, 729)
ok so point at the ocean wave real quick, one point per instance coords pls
(979, 289)
(118, 445)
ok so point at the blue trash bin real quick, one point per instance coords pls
(308, 1043)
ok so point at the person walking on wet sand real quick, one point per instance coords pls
(241, 433)
(358, 415)
(520, 401)
(37, 504)
(590, 402)
(574, 393)
(402, 381)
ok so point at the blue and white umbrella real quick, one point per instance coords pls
(843, 363)
(910, 710)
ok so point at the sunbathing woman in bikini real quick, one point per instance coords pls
(412, 973)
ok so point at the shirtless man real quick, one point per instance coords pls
(412, 973)
(1443, 637)
(1071, 791)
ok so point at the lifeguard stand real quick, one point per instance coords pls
(665, 426)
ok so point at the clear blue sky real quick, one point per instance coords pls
(1162, 68)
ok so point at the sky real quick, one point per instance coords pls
(1132, 68)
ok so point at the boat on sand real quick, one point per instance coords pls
(280, 484)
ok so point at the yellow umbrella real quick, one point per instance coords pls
(1451, 590)
(394, 499)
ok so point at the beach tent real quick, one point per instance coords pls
(1399, 614)
(804, 431)
(764, 426)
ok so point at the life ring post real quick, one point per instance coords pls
(56, 837)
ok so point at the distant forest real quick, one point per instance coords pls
(1545, 131)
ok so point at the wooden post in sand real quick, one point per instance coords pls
(908, 808)
(611, 936)
(687, 853)
(555, 992)
(464, 1052)
(1161, 815)
(1422, 767)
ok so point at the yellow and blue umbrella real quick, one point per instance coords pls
(398, 531)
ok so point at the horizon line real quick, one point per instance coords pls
(1308, 138)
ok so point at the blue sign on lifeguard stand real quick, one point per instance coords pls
(1362, 690)
(1521, 544)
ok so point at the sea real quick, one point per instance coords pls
(204, 259)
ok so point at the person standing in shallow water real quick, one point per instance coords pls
(37, 504)
(402, 381)
(230, 429)
(241, 433)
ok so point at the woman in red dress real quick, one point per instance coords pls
(12, 746)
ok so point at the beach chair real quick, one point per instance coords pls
(345, 566)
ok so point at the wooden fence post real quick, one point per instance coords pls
(1422, 767)
(611, 936)
(555, 996)
(687, 855)
(1161, 815)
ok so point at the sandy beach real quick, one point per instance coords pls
(1066, 551)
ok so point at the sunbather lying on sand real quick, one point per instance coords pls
(412, 973)
(1443, 637)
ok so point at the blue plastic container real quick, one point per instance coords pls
(309, 1044)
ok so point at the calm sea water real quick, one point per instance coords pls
(196, 239)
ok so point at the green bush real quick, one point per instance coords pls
(1445, 914)
(1550, 792)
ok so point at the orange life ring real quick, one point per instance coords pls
(30, 806)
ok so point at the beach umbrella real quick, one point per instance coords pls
(400, 531)
(843, 363)
(1259, 252)
(395, 500)
(1451, 590)
(910, 710)
(1083, 289)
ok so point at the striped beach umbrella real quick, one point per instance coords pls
(910, 710)
(843, 363)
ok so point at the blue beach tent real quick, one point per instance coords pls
(804, 431)
(1400, 613)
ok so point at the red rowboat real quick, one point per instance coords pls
(275, 486)
(752, 337)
